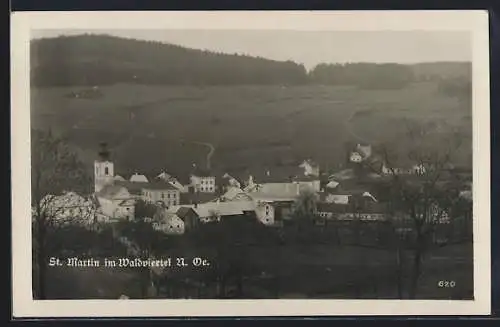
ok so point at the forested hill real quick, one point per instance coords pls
(101, 60)
(104, 60)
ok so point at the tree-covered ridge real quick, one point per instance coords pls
(103, 60)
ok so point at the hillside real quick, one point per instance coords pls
(160, 105)
(150, 128)
(105, 60)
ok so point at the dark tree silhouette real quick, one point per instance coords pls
(55, 169)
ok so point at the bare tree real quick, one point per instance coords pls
(55, 169)
(304, 209)
(423, 196)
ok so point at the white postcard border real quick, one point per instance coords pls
(23, 22)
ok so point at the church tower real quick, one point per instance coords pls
(103, 169)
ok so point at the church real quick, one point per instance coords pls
(117, 197)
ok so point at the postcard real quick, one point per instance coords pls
(232, 163)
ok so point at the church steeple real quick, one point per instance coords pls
(104, 153)
(103, 168)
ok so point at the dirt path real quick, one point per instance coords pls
(349, 128)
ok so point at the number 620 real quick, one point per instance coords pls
(446, 283)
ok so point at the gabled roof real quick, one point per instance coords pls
(159, 185)
(183, 212)
(311, 162)
(199, 172)
(111, 191)
(231, 208)
(232, 192)
(138, 178)
(274, 197)
(278, 174)
(119, 178)
(127, 202)
(132, 187)
(199, 197)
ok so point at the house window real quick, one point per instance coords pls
(106, 171)
(128, 209)
(162, 195)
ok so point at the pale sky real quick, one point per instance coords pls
(310, 47)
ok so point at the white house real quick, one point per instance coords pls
(160, 191)
(265, 212)
(356, 157)
(168, 223)
(203, 182)
(310, 168)
(416, 169)
(116, 202)
(332, 184)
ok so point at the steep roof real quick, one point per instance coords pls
(111, 191)
(127, 202)
(133, 187)
(138, 178)
(183, 212)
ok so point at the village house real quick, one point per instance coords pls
(189, 217)
(343, 212)
(116, 196)
(164, 176)
(412, 169)
(292, 178)
(161, 192)
(310, 168)
(360, 153)
(202, 181)
(168, 222)
(115, 202)
(215, 211)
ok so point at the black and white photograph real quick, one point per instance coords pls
(252, 162)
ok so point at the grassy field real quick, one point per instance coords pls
(254, 125)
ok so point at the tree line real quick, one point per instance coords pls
(86, 60)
